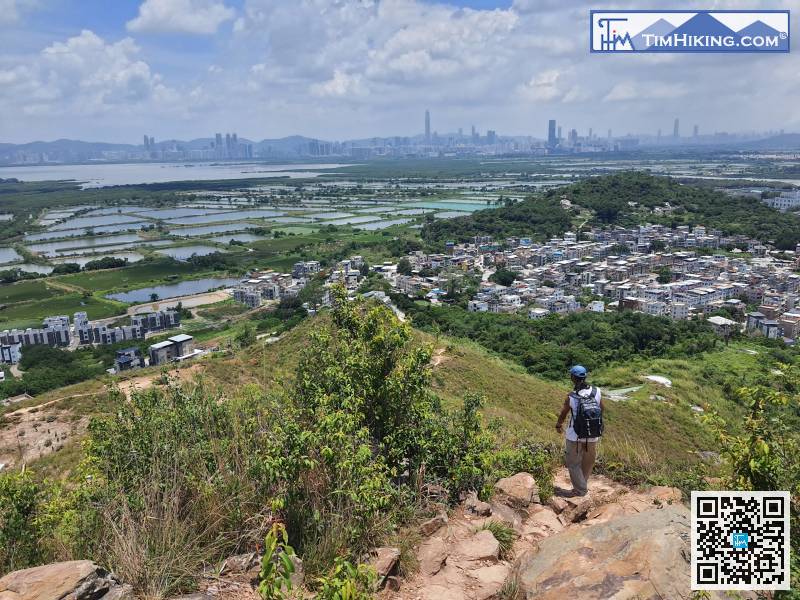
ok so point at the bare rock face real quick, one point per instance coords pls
(542, 523)
(557, 504)
(517, 491)
(641, 555)
(480, 547)
(488, 581)
(384, 560)
(73, 580)
(432, 554)
(248, 564)
(474, 506)
(433, 525)
(120, 592)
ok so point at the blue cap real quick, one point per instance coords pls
(578, 371)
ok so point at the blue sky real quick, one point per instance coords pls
(115, 69)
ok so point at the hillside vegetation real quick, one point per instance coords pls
(538, 218)
(625, 199)
(174, 479)
(628, 198)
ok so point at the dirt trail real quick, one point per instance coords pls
(127, 386)
(439, 357)
(33, 432)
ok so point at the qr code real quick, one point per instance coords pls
(740, 540)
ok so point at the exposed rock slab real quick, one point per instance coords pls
(71, 580)
(482, 546)
(431, 555)
(384, 560)
(641, 555)
(517, 491)
(474, 506)
(433, 525)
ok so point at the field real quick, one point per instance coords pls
(128, 277)
(24, 291)
(30, 314)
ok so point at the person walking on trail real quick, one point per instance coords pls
(584, 405)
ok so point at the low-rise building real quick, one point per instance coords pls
(178, 347)
(10, 354)
(128, 358)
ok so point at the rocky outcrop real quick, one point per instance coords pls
(517, 491)
(431, 556)
(72, 580)
(433, 525)
(475, 506)
(644, 555)
(614, 542)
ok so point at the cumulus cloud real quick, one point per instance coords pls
(351, 68)
(201, 17)
(82, 75)
(340, 85)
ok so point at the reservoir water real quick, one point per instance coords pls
(184, 288)
(103, 175)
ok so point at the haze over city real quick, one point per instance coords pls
(353, 69)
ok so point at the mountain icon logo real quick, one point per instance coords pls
(689, 31)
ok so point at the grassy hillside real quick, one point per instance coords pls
(650, 433)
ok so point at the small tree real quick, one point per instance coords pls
(404, 266)
(247, 336)
(766, 455)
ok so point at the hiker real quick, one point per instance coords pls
(585, 407)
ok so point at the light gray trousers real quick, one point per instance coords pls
(579, 458)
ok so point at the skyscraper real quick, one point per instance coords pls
(427, 126)
(609, 134)
(696, 131)
(552, 141)
(590, 133)
(676, 128)
(558, 136)
(152, 142)
(146, 142)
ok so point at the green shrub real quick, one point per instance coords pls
(276, 565)
(19, 533)
(177, 478)
(347, 582)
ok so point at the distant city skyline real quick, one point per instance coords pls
(355, 69)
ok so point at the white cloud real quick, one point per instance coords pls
(85, 75)
(352, 68)
(202, 17)
(11, 10)
(644, 90)
(340, 85)
(542, 86)
(9, 13)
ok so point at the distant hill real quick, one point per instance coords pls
(66, 150)
(786, 141)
